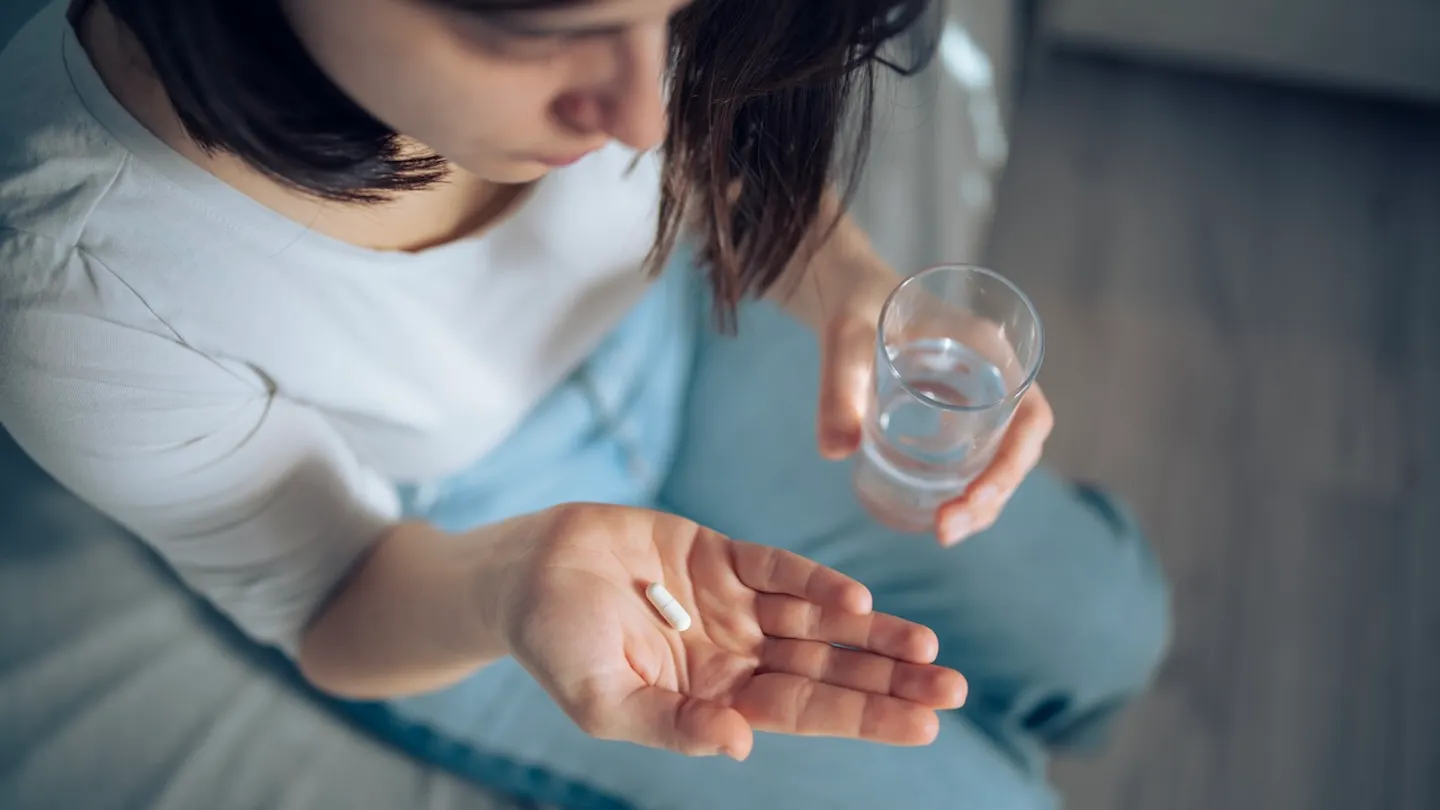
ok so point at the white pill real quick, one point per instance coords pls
(673, 611)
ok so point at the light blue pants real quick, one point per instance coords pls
(1056, 615)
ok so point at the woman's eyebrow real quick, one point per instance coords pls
(525, 19)
(517, 19)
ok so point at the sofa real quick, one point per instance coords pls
(120, 690)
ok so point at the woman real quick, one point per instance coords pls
(341, 306)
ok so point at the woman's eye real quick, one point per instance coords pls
(531, 45)
(511, 42)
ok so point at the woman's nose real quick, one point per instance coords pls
(629, 107)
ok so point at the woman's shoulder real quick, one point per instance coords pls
(59, 162)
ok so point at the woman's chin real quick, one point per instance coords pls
(521, 171)
(504, 172)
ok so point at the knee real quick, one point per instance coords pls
(1128, 625)
(1116, 641)
(1130, 635)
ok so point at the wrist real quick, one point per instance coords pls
(497, 576)
(406, 619)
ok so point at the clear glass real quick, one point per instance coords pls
(957, 348)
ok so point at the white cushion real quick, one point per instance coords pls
(119, 690)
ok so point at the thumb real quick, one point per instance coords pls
(846, 374)
(692, 726)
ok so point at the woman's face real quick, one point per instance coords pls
(506, 96)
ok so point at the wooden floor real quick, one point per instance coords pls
(1242, 289)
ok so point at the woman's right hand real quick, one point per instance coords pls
(760, 653)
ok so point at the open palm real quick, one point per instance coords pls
(761, 653)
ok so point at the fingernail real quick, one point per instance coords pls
(730, 752)
(957, 528)
(837, 446)
(986, 494)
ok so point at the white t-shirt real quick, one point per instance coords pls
(244, 393)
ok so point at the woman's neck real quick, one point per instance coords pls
(462, 206)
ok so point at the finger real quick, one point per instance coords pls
(773, 570)
(925, 684)
(660, 718)
(791, 704)
(1020, 451)
(845, 379)
(783, 616)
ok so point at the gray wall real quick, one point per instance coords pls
(1380, 46)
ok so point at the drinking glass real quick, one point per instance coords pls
(957, 348)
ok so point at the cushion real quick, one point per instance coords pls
(120, 690)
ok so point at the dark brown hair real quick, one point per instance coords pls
(770, 104)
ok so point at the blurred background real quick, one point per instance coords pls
(1228, 214)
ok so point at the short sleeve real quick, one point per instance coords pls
(254, 500)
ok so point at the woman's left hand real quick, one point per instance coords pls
(846, 327)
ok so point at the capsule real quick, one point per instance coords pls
(672, 610)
